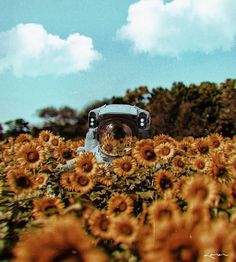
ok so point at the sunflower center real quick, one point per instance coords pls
(23, 182)
(216, 143)
(104, 224)
(200, 164)
(55, 142)
(46, 137)
(50, 210)
(68, 180)
(219, 171)
(202, 193)
(122, 206)
(165, 183)
(180, 163)
(149, 154)
(185, 254)
(126, 229)
(83, 181)
(67, 154)
(40, 180)
(184, 148)
(33, 156)
(69, 255)
(126, 167)
(204, 149)
(165, 151)
(165, 213)
(87, 167)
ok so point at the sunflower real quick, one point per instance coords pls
(162, 138)
(103, 170)
(200, 164)
(89, 209)
(164, 180)
(30, 155)
(181, 247)
(218, 168)
(178, 189)
(99, 224)
(74, 144)
(21, 181)
(120, 203)
(165, 152)
(63, 240)
(23, 138)
(104, 175)
(47, 206)
(197, 213)
(200, 188)
(216, 141)
(229, 148)
(202, 146)
(152, 239)
(47, 168)
(161, 211)
(66, 180)
(63, 153)
(45, 136)
(86, 163)
(82, 183)
(188, 139)
(179, 164)
(183, 147)
(144, 152)
(8, 155)
(41, 179)
(124, 229)
(124, 166)
(231, 165)
(55, 141)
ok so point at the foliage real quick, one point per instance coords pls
(16, 127)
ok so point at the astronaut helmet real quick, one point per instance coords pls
(118, 126)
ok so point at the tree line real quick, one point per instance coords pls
(194, 110)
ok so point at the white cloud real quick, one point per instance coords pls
(29, 50)
(180, 26)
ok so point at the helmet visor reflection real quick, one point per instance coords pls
(115, 138)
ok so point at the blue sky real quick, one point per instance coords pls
(72, 52)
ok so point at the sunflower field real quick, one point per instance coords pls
(167, 200)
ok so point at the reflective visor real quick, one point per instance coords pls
(116, 136)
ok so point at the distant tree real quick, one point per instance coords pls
(16, 127)
(1, 133)
(161, 105)
(64, 121)
(194, 110)
(226, 120)
(139, 96)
